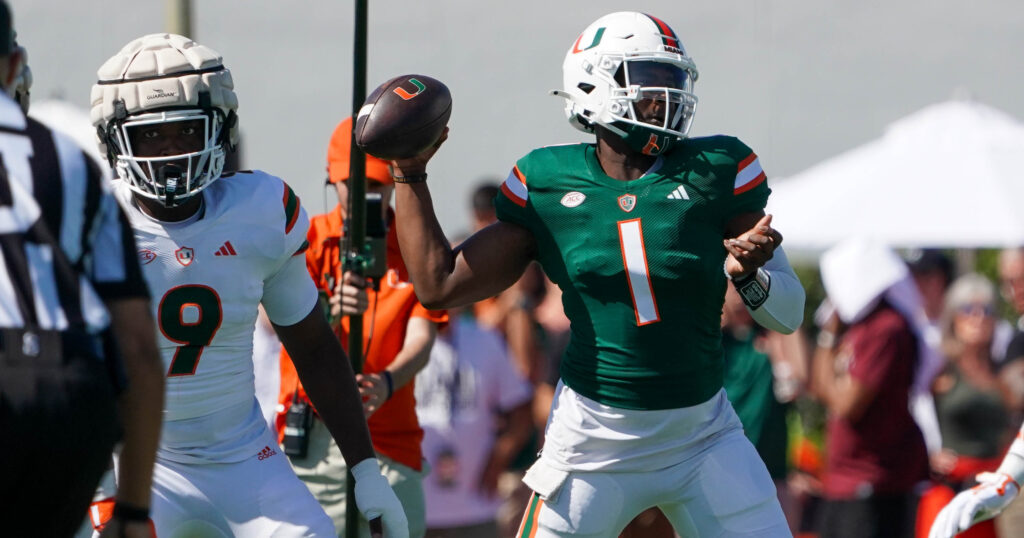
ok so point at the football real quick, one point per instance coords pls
(403, 117)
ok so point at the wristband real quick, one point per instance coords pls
(753, 288)
(414, 178)
(391, 383)
(127, 512)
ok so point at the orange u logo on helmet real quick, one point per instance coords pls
(652, 147)
(420, 88)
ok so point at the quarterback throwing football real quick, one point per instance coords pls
(213, 248)
(636, 230)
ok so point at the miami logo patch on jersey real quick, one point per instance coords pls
(184, 255)
(627, 202)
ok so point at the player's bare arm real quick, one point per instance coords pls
(329, 381)
(487, 263)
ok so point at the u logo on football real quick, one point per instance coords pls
(401, 92)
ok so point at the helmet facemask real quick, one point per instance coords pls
(172, 171)
(652, 97)
(651, 104)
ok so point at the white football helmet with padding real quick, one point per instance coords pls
(619, 61)
(158, 79)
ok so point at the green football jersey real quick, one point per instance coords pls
(640, 263)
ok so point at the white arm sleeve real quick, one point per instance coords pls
(1013, 463)
(783, 310)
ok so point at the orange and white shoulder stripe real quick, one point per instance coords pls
(514, 187)
(748, 174)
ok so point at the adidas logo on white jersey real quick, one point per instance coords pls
(227, 249)
(678, 194)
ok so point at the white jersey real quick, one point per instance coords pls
(207, 275)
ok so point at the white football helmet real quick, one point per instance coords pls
(619, 61)
(157, 79)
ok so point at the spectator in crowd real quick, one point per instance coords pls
(512, 314)
(397, 335)
(969, 398)
(74, 311)
(1011, 276)
(1011, 370)
(933, 273)
(863, 368)
(764, 372)
(474, 407)
(482, 204)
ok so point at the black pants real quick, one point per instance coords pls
(58, 425)
(879, 516)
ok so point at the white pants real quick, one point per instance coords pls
(260, 496)
(713, 483)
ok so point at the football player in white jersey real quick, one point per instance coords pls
(213, 248)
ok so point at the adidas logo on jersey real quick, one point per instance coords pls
(678, 194)
(226, 250)
(265, 453)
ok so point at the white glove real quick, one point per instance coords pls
(375, 498)
(984, 501)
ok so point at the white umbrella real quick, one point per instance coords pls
(949, 175)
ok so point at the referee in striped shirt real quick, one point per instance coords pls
(74, 310)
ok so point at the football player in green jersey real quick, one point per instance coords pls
(641, 231)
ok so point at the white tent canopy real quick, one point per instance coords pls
(950, 175)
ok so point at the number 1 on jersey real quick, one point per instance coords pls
(634, 257)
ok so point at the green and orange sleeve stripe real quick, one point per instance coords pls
(291, 209)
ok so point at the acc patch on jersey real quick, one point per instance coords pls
(573, 199)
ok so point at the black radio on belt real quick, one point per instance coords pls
(297, 423)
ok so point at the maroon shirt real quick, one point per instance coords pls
(882, 451)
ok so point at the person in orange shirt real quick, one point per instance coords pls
(398, 333)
